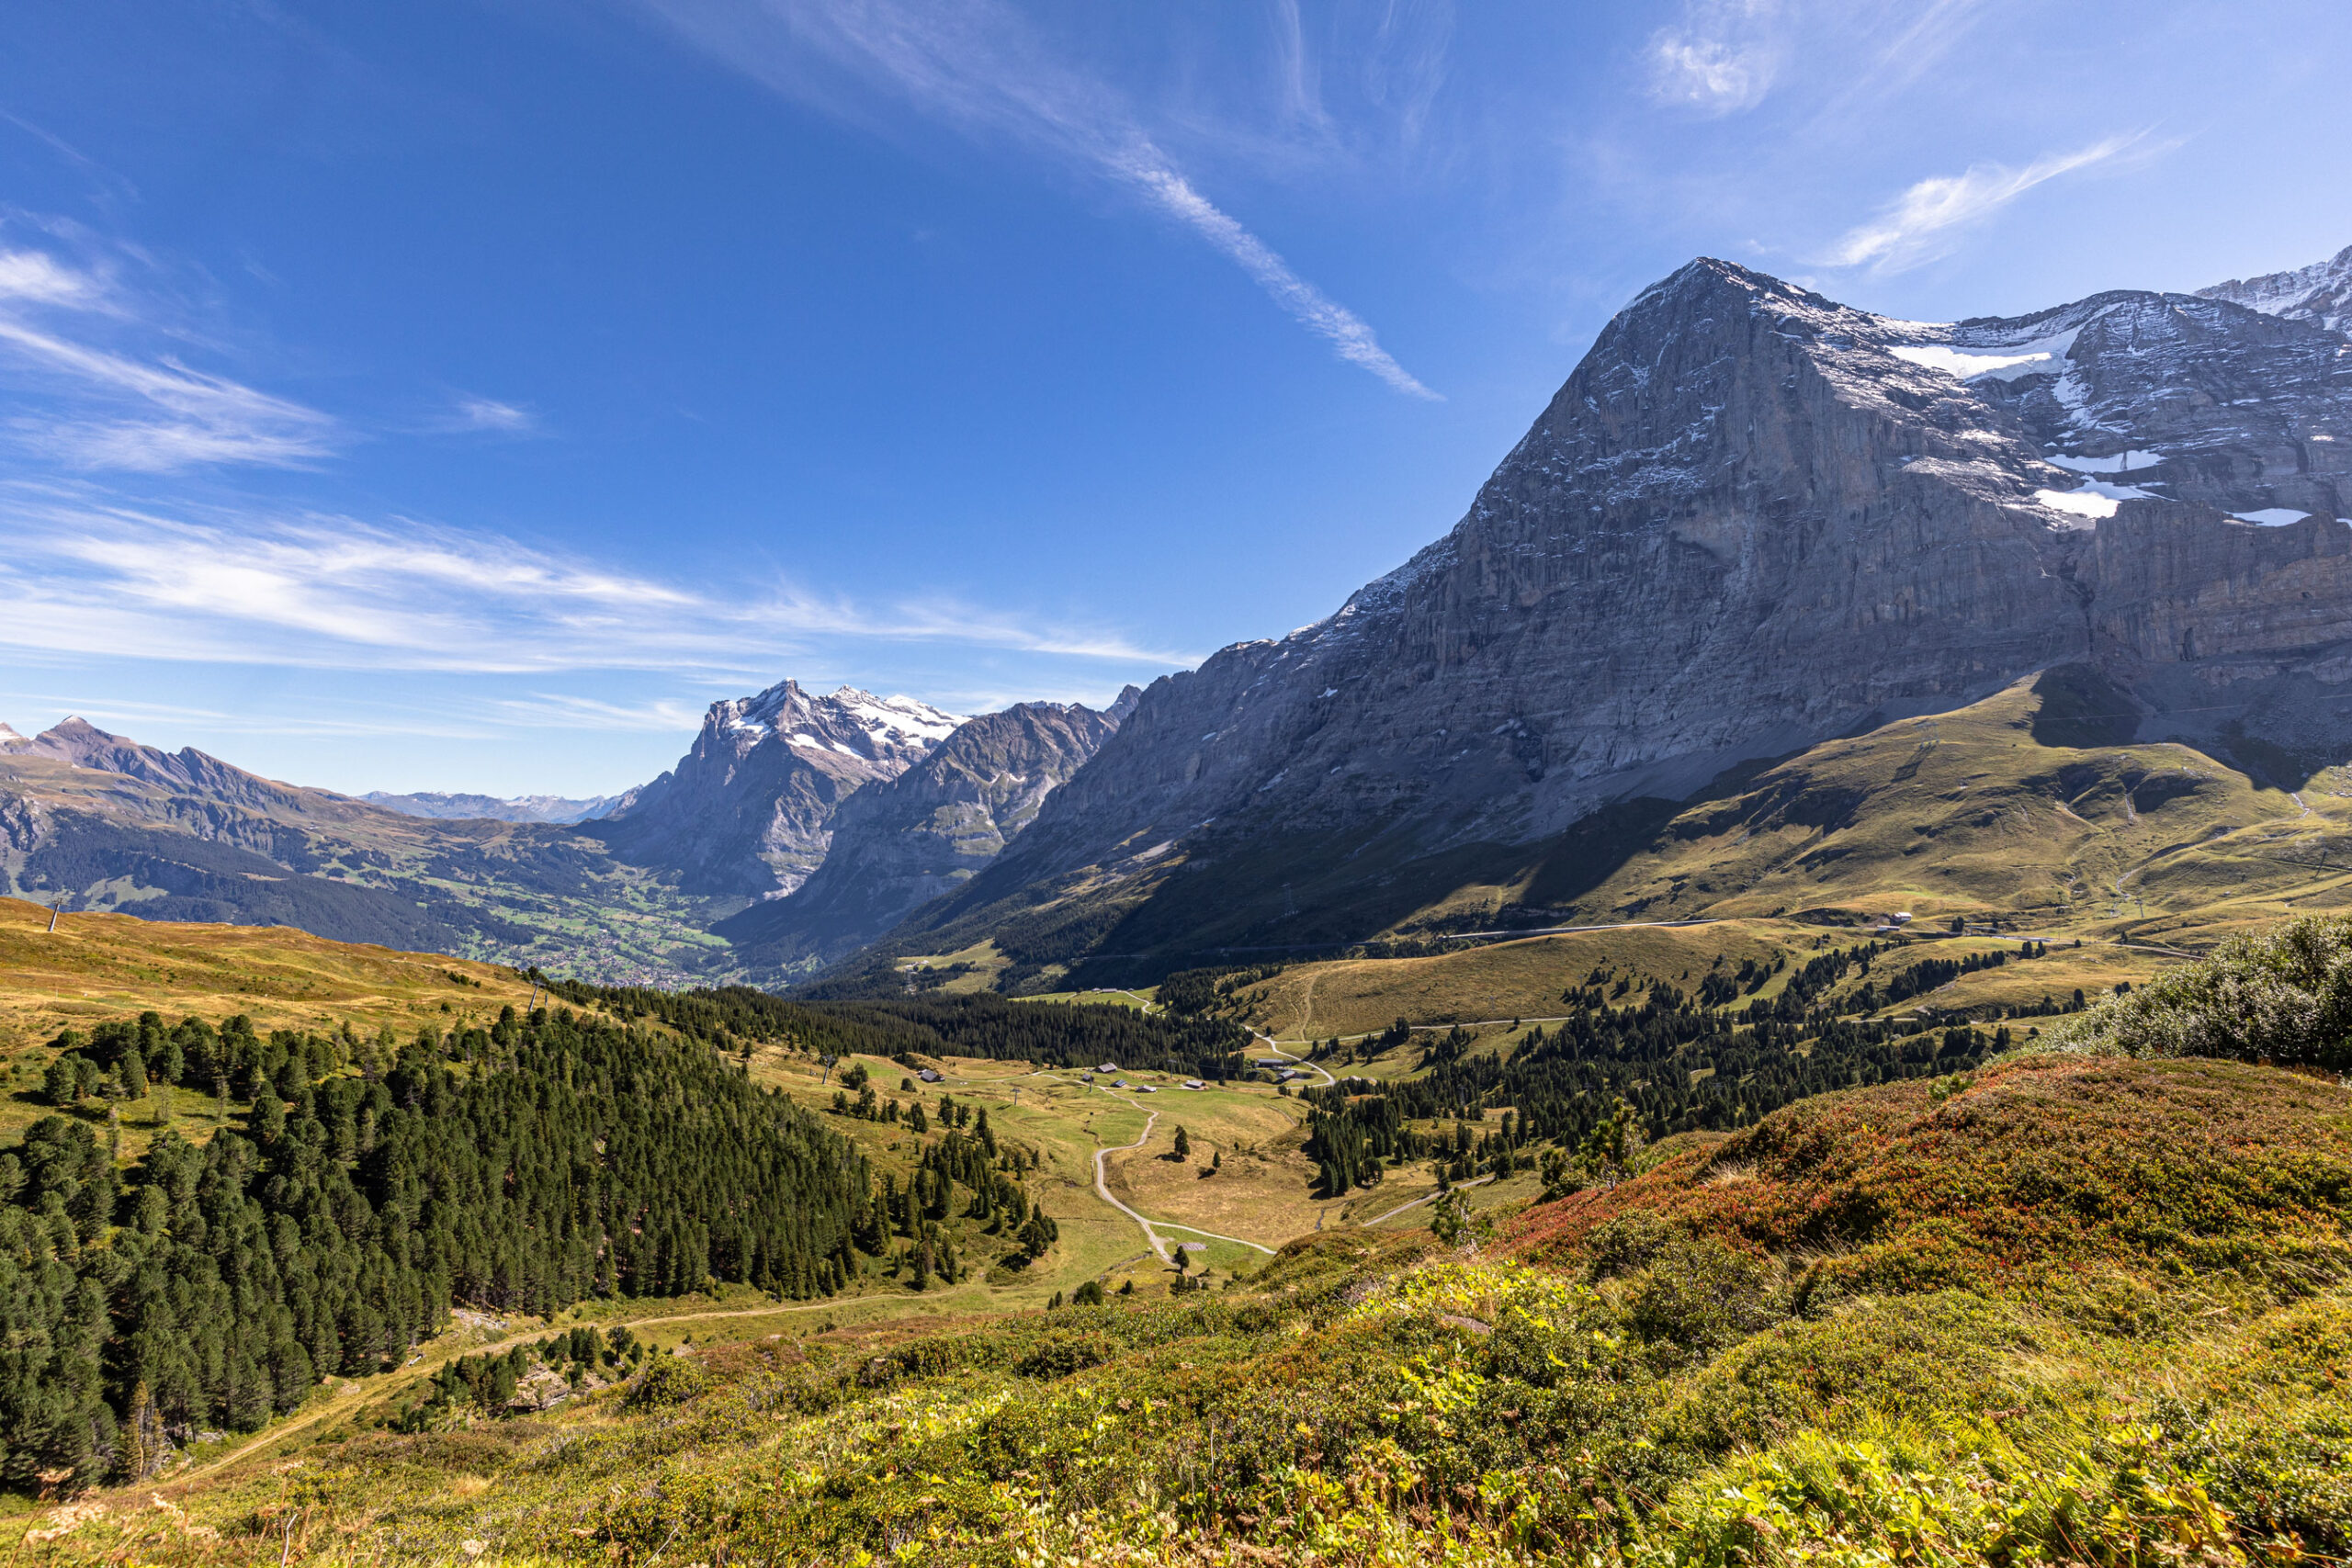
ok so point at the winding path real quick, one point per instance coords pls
(1151, 1229)
(1416, 1202)
(1103, 1188)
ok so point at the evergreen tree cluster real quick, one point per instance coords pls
(1679, 1064)
(369, 1187)
(727, 1016)
(488, 1383)
(908, 1226)
(1060, 1034)
(1194, 993)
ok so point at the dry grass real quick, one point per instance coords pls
(1968, 813)
(1261, 1191)
(96, 967)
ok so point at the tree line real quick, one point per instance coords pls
(984, 1025)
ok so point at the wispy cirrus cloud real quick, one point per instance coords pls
(93, 396)
(470, 414)
(977, 66)
(1926, 220)
(90, 575)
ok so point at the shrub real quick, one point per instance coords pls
(2282, 996)
(666, 1380)
(1061, 1352)
(1699, 1296)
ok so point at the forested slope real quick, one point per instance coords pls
(1055, 1035)
(334, 1225)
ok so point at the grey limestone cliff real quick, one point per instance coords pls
(1752, 519)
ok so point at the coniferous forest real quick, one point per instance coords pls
(1676, 1061)
(370, 1188)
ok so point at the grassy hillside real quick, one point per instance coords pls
(1530, 979)
(2009, 807)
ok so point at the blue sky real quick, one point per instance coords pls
(461, 394)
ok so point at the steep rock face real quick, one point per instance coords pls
(2320, 293)
(2173, 395)
(899, 844)
(749, 810)
(1742, 522)
(1752, 520)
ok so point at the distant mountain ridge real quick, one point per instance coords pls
(2320, 293)
(95, 820)
(490, 807)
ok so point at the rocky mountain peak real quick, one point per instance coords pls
(849, 722)
(1750, 519)
(2320, 293)
(748, 810)
(900, 843)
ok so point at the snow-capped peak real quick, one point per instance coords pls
(851, 721)
(900, 718)
(10, 740)
(2320, 293)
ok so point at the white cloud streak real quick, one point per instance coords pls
(1924, 222)
(471, 413)
(977, 66)
(99, 408)
(91, 576)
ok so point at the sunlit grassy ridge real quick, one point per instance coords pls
(2014, 806)
(96, 966)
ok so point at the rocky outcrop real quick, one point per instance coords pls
(899, 844)
(749, 810)
(1752, 519)
(2177, 396)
